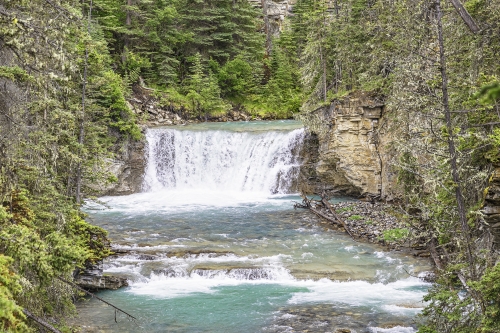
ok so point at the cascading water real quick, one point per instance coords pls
(265, 162)
(213, 244)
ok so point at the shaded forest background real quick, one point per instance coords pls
(67, 69)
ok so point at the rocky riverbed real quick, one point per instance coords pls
(374, 222)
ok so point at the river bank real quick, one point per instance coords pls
(376, 222)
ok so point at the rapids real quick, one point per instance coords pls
(214, 245)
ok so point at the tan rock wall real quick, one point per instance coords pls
(352, 154)
(491, 209)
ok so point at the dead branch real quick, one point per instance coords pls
(336, 220)
(40, 322)
(337, 217)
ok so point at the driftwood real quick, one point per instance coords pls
(41, 322)
(98, 298)
(334, 213)
(335, 220)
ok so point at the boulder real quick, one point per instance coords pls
(93, 279)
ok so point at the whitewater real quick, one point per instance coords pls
(213, 244)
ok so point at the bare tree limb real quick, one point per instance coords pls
(485, 124)
(335, 220)
(334, 213)
(40, 322)
(461, 209)
(464, 14)
(96, 297)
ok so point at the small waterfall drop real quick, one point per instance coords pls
(250, 161)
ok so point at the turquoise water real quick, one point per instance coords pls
(231, 256)
(242, 126)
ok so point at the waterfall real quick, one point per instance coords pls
(233, 161)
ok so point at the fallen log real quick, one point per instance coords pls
(336, 220)
(334, 213)
(40, 322)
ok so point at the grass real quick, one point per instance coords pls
(355, 217)
(345, 209)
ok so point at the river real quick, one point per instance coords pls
(214, 245)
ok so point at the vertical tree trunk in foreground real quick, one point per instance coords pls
(451, 139)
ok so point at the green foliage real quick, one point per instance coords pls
(236, 79)
(111, 97)
(345, 209)
(11, 315)
(14, 73)
(43, 234)
(355, 217)
(489, 288)
(489, 93)
(158, 42)
(407, 173)
(395, 235)
(202, 91)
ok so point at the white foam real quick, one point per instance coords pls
(359, 293)
(207, 281)
(180, 282)
(136, 247)
(193, 170)
(187, 200)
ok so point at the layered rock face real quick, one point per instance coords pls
(274, 13)
(93, 279)
(491, 209)
(351, 150)
(128, 168)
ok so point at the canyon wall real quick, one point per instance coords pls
(127, 169)
(491, 209)
(353, 157)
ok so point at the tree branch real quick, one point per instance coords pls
(40, 322)
(98, 298)
(464, 14)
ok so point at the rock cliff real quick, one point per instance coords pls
(352, 153)
(491, 209)
(274, 13)
(128, 169)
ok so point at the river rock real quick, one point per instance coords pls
(93, 279)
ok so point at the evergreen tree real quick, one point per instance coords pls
(48, 67)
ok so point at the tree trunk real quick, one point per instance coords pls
(266, 27)
(323, 76)
(82, 119)
(451, 139)
(126, 40)
(41, 322)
